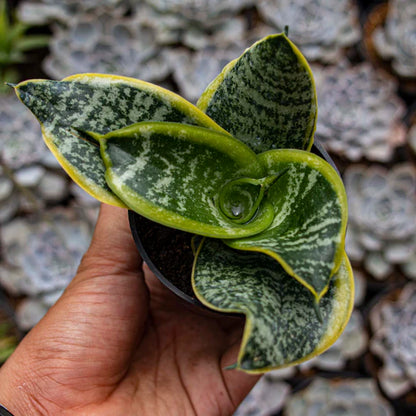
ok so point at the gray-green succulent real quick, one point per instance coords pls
(321, 28)
(394, 341)
(237, 170)
(395, 40)
(382, 218)
(41, 12)
(107, 43)
(40, 255)
(18, 150)
(358, 397)
(360, 115)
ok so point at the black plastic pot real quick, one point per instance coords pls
(140, 228)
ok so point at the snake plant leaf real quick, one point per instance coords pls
(266, 97)
(308, 230)
(281, 326)
(98, 103)
(173, 173)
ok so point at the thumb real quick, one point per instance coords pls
(85, 342)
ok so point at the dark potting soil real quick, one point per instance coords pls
(170, 250)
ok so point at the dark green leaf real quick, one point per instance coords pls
(173, 174)
(98, 103)
(266, 98)
(308, 230)
(281, 327)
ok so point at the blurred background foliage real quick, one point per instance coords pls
(363, 56)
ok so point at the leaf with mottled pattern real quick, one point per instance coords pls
(98, 103)
(266, 98)
(310, 218)
(281, 327)
(174, 174)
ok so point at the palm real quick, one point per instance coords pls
(109, 348)
(184, 353)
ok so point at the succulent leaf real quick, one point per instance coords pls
(281, 324)
(173, 174)
(99, 103)
(310, 217)
(266, 97)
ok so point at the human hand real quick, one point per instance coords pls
(119, 343)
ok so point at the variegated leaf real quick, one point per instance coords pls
(308, 230)
(99, 103)
(173, 174)
(266, 98)
(281, 327)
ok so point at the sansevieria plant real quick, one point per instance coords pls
(237, 170)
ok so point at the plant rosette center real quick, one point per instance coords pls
(240, 199)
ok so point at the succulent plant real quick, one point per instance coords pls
(209, 35)
(395, 40)
(106, 42)
(28, 179)
(382, 221)
(17, 149)
(193, 71)
(200, 11)
(360, 286)
(9, 203)
(321, 28)
(195, 24)
(41, 253)
(344, 397)
(63, 11)
(393, 322)
(40, 257)
(210, 170)
(266, 398)
(359, 112)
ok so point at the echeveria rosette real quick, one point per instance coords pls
(223, 175)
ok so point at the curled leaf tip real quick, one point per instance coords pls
(239, 199)
(10, 84)
(286, 30)
(231, 367)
